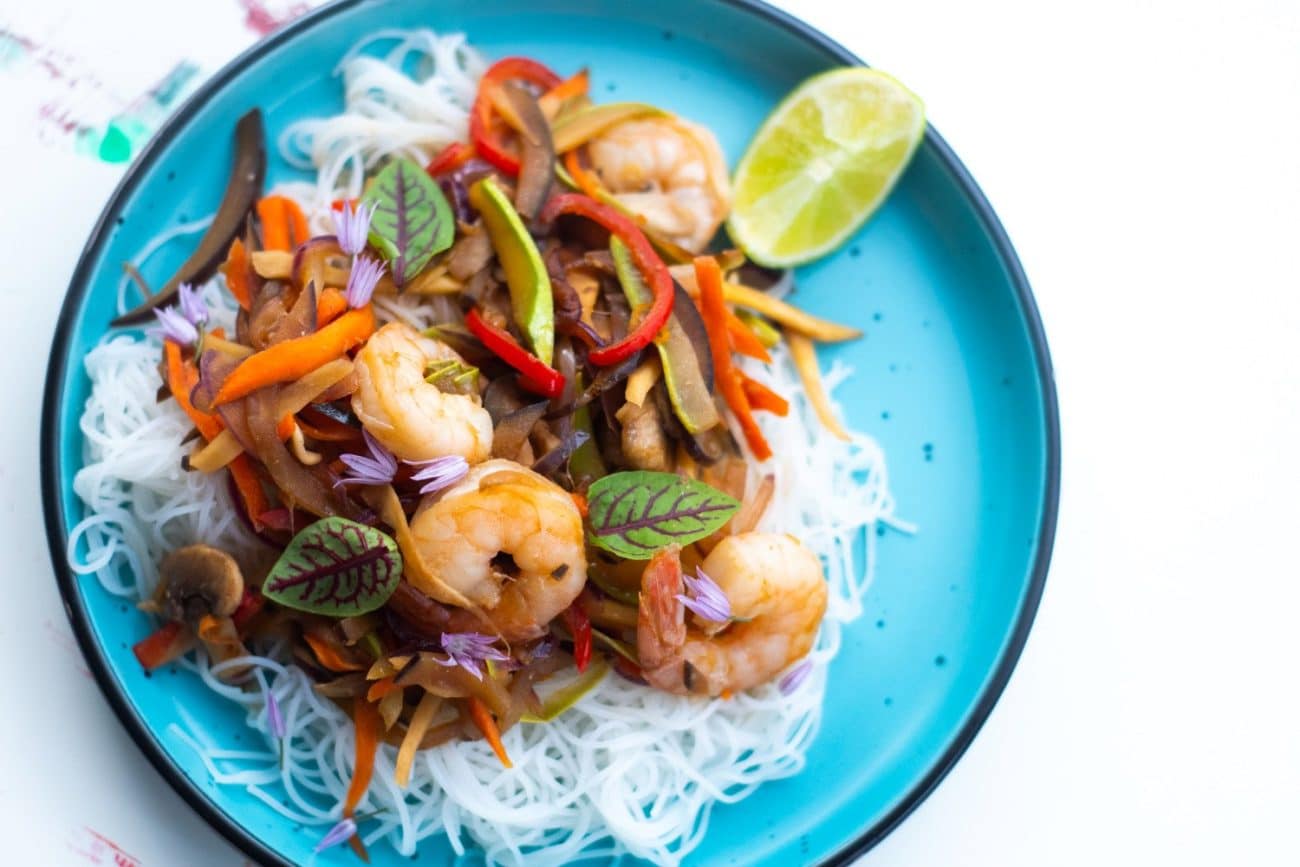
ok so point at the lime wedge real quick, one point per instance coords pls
(821, 163)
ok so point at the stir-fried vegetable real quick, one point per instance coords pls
(536, 376)
(688, 390)
(714, 310)
(647, 262)
(486, 139)
(582, 126)
(293, 359)
(242, 190)
(530, 287)
(805, 361)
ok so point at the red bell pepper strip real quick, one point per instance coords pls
(160, 648)
(485, 140)
(580, 625)
(645, 258)
(449, 158)
(249, 605)
(536, 376)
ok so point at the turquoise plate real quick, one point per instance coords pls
(953, 378)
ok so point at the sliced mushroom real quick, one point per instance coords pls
(200, 580)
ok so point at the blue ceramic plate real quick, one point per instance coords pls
(953, 378)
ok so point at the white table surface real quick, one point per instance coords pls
(1145, 159)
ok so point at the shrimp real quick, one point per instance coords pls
(508, 540)
(412, 418)
(668, 170)
(777, 595)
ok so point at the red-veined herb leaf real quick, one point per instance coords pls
(635, 514)
(412, 222)
(335, 567)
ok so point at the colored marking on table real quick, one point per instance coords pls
(60, 635)
(262, 21)
(99, 849)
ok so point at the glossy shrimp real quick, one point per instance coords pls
(510, 542)
(669, 171)
(414, 419)
(777, 595)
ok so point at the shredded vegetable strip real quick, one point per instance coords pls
(804, 356)
(745, 341)
(292, 359)
(284, 226)
(713, 309)
(369, 726)
(553, 100)
(585, 179)
(236, 272)
(762, 397)
(182, 376)
(420, 722)
(796, 320)
(482, 717)
(330, 306)
(329, 657)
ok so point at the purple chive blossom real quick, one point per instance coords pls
(340, 833)
(705, 598)
(468, 649)
(274, 719)
(440, 473)
(193, 307)
(794, 678)
(363, 280)
(377, 468)
(176, 327)
(352, 225)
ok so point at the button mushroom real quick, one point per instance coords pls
(200, 580)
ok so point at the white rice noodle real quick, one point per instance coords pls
(628, 769)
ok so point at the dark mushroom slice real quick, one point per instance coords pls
(200, 580)
(242, 191)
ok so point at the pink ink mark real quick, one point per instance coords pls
(262, 21)
(64, 640)
(101, 850)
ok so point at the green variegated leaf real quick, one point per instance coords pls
(335, 567)
(635, 514)
(412, 222)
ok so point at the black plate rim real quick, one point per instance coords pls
(51, 465)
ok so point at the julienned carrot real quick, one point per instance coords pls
(365, 716)
(713, 310)
(381, 688)
(182, 376)
(580, 500)
(488, 726)
(284, 427)
(329, 657)
(283, 224)
(585, 180)
(294, 359)
(745, 341)
(575, 85)
(762, 397)
(275, 227)
(250, 490)
(330, 306)
(236, 271)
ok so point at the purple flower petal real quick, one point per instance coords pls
(362, 280)
(469, 649)
(377, 468)
(795, 677)
(440, 473)
(176, 327)
(274, 719)
(193, 307)
(705, 598)
(340, 833)
(352, 225)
